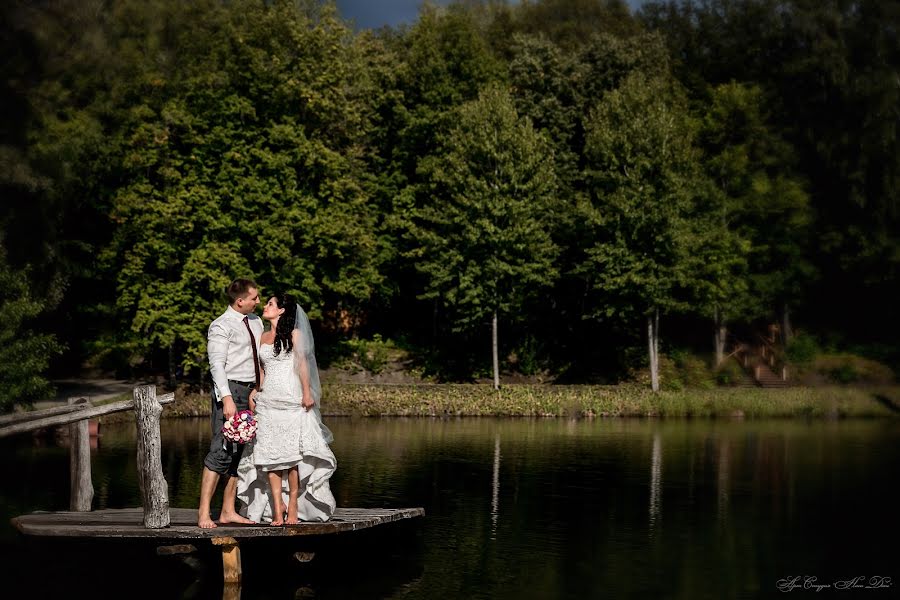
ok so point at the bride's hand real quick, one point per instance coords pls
(308, 401)
(252, 402)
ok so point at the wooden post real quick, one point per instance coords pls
(154, 491)
(231, 558)
(784, 373)
(81, 489)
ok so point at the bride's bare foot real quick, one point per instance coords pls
(278, 515)
(234, 518)
(205, 522)
(292, 518)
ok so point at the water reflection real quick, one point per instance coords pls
(722, 483)
(655, 480)
(747, 503)
(495, 489)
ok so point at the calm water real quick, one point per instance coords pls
(518, 509)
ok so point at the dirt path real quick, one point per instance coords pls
(94, 389)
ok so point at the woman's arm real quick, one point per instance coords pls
(255, 391)
(303, 368)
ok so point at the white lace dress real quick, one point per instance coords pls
(287, 435)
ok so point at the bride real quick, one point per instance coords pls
(284, 472)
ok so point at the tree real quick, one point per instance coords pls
(27, 354)
(249, 163)
(484, 241)
(643, 170)
(764, 202)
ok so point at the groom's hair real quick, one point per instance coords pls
(239, 288)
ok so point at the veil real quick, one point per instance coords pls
(305, 365)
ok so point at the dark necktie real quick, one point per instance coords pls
(253, 347)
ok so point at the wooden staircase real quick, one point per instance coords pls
(762, 363)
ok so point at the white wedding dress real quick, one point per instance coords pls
(287, 435)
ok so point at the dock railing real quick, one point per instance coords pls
(147, 407)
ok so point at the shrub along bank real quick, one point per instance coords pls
(440, 400)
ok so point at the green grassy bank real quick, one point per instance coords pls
(584, 401)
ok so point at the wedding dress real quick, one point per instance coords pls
(287, 435)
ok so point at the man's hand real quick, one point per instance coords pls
(228, 407)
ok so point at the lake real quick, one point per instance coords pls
(518, 508)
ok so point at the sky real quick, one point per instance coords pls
(375, 13)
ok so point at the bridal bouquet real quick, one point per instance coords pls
(241, 428)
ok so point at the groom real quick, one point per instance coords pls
(233, 348)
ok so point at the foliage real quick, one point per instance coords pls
(641, 167)
(370, 355)
(802, 349)
(845, 368)
(27, 354)
(483, 242)
(730, 157)
(729, 373)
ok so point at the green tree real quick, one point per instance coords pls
(27, 354)
(248, 162)
(484, 241)
(764, 202)
(643, 171)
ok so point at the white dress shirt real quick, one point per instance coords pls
(228, 347)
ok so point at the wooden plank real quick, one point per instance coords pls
(81, 489)
(85, 413)
(128, 523)
(31, 415)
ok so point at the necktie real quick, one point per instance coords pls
(253, 347)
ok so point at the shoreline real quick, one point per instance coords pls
(578, 401)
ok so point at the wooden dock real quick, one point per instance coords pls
(173, 530)
(129, 523)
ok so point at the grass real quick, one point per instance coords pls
(581, 401)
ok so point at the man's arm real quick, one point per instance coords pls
(217, 349)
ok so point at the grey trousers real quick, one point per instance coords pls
(224, 456)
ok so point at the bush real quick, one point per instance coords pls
(802, 349)
(677, 370)
(370, 355)
(729, 373)
(849, 368)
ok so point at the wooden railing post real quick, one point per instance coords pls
(154, 490)
(81, 489)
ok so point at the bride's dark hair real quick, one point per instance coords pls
(285, 327)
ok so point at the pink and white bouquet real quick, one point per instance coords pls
(241, 428)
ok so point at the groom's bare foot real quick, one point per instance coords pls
(234, 518)
(205, 522)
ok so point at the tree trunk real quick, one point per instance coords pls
(787, 331)
(172, 376)
(721, 333)
(494, 352)
(154, 491)
(653, 346)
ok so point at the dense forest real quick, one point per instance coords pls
(598, 187)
